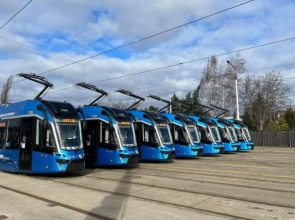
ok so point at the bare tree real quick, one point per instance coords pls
(217, 85)
(262, 95)
(5, 92)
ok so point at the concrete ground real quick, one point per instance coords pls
(248, 185)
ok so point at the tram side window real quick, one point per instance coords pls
(149, 135)
(179, 134)
(44, 138)
(108, 136)
(13, 134)
(2, 134)
(205, 138)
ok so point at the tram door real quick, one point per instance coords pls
(26, 144)
(90, 141)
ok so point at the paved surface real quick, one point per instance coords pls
(251, 185)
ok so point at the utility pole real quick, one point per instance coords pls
(237, 92)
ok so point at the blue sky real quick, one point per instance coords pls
(69, 30)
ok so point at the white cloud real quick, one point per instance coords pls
(75, 29)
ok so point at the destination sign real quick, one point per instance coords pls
(69, 120)
(2, 125)
(125, 123)
(162, 124)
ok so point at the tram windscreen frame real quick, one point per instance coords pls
(165, 134)
(127, 134)
(233, 133)
(215, 133)
(69, 135)
(247, 133)
(194, 133)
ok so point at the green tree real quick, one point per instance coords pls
(280, 125)
(247, 120)
(152, 108)
(176, 107)
(290, 118)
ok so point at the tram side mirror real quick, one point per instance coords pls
(88, 140)
(183, 129)
(23, 143)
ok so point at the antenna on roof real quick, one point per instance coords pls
(128, 93)
(94, 89)
(161, 100)
(38, 79)
(224, 110)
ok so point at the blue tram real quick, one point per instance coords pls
(210, 138)
(243, 137)
(227, 134)
(185, 135)
(40, 137)
(153, 136)
(109, 137)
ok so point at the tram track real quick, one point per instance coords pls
(242, 199)
(212, 182)
(234, 165)
(191, 208)
(81, 211)
(217, 175)
(261, 161)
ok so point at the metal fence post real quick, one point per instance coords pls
(290, 139)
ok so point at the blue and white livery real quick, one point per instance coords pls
(109, 137)
(40, 137)
(185, 135)
(153, 136)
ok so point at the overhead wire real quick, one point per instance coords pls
(145, 38)
(186, 62)
(15, 14)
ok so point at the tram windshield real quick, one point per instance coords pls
(194, 134)
(215, 133)
(239, 134)
(206, 135)
(181, 135)
(247, 133)
(233, 133)
(69, 135)
(127, 134)
(165, 134)
(224, 134)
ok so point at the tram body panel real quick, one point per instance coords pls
(245, 144)
(153, 136)
(209, 145)
(106, 146)
(26, 142)
(184, 144)
(227, 139)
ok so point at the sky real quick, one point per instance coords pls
(51, 33)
